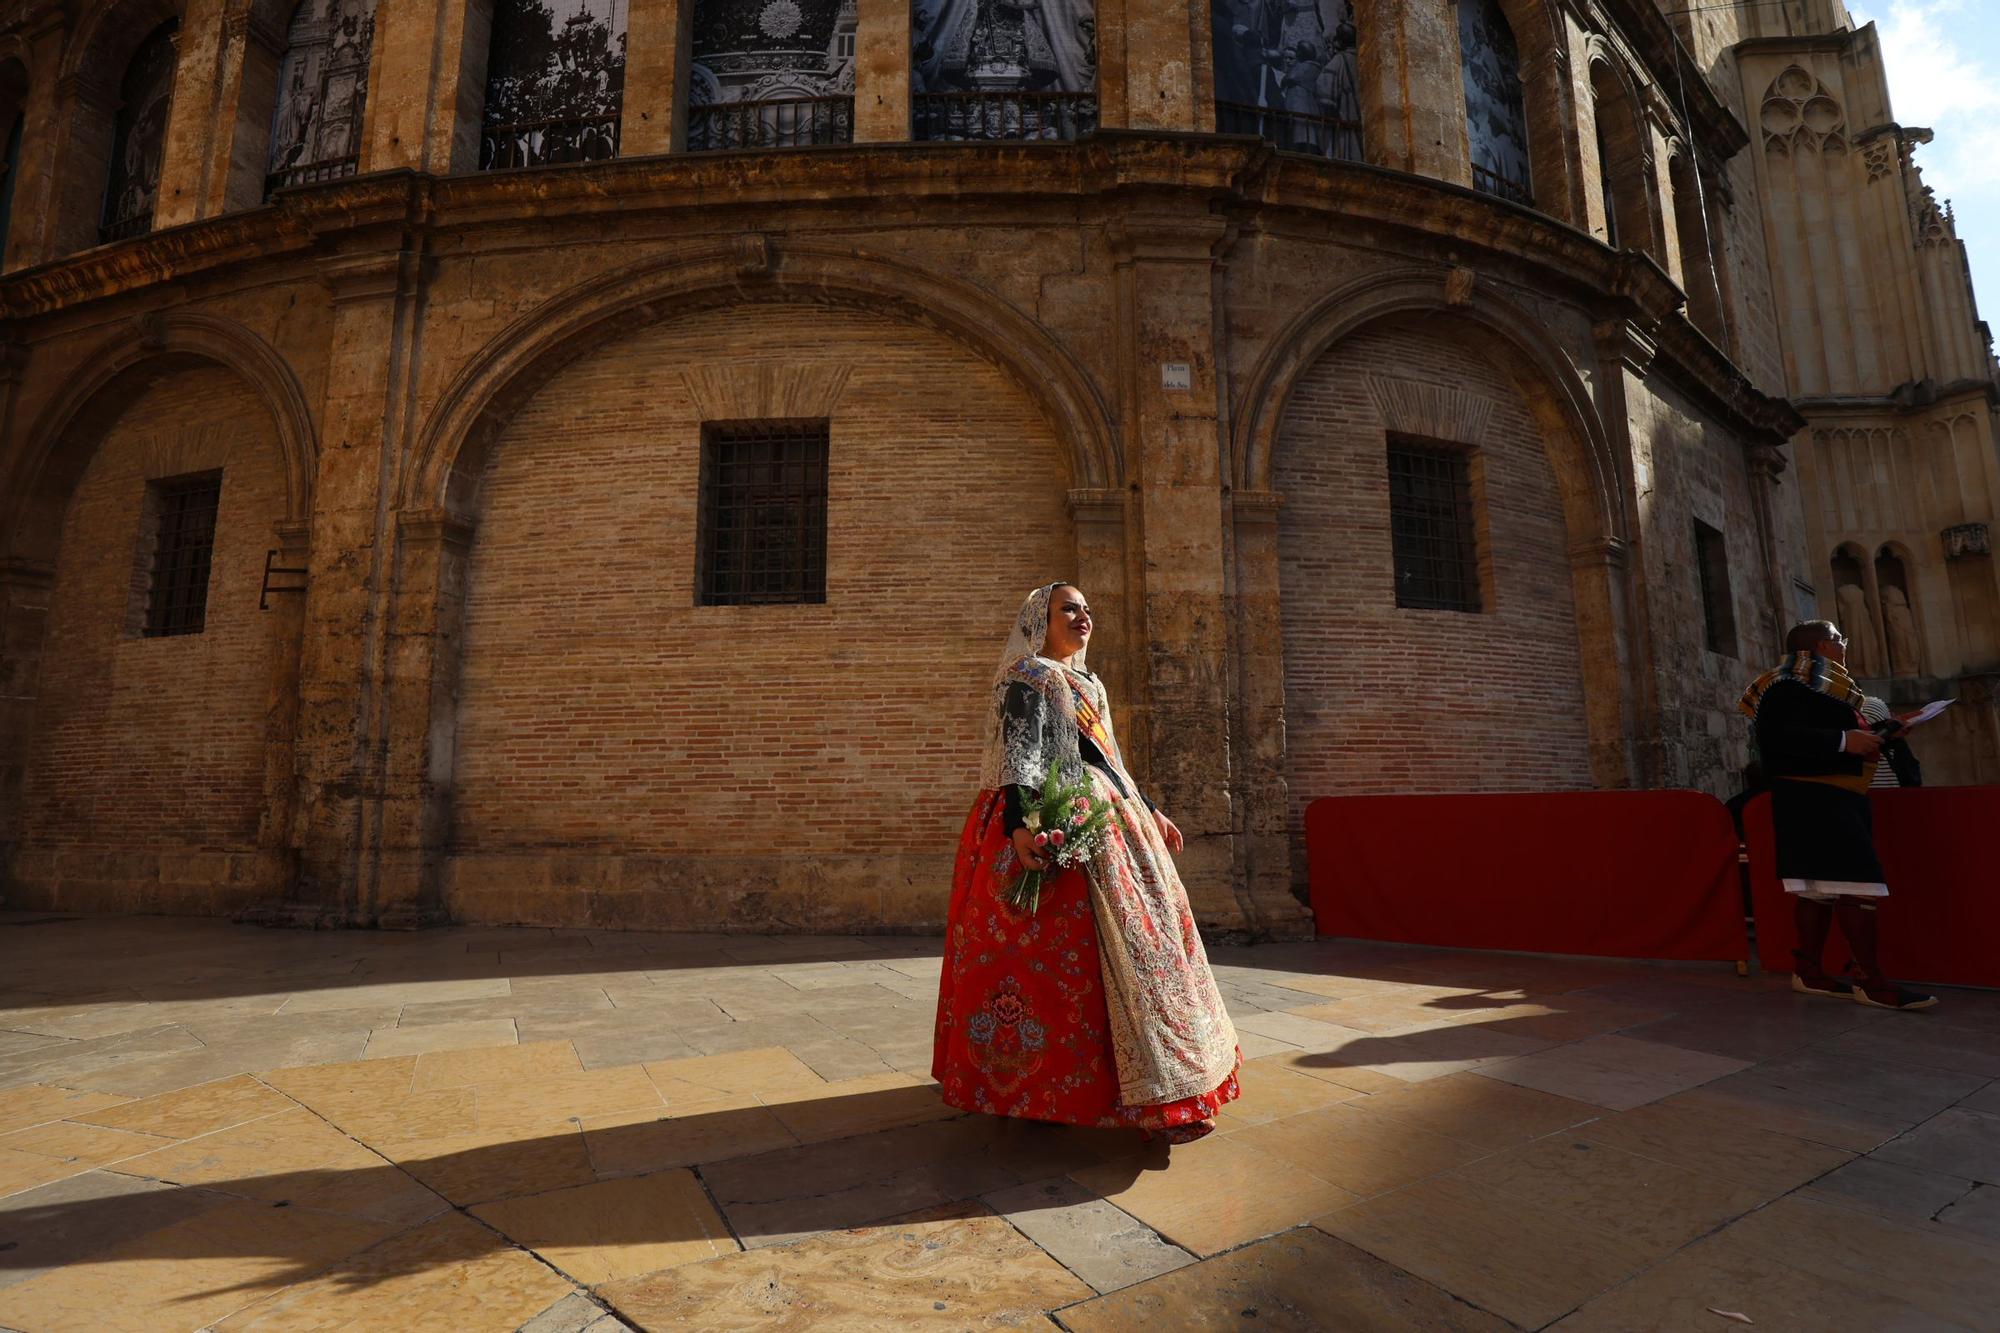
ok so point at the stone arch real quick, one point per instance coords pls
(452, 449)
(39, 487)
(1594, 520)
(109, 31)
(1547, 377)
(1896, 572)
(1624, 154)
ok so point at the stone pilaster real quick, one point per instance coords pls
(1413, 95)
(36, 187)
(84, 105)
(420, 716)
(882, 72)
(1159, 67)
(1166, 269)
(246, 98)
(187, 155)
(25, 587)
(1265, 872)
(341, 669)
(656, 77)
(427, 85)
(1621, 694)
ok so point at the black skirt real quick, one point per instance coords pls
(1824, 832)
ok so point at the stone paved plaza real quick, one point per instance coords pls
(205, 1125)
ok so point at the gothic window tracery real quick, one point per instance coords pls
(1003, 69)
(139, 135)
(322, 92)
(1496, 117)
(1289, 72)
(772, 73)
(555, 82)
(1800, 115)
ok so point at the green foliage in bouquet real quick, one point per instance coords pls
(1070, 826)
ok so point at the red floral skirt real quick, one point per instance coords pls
(1022, 1028)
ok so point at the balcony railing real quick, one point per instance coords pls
(125, 227)
(786, 122)
(962, 116)
(1293, 131)
(535, 143)
(311, 173)
(1506, 187)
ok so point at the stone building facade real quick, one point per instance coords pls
(1884, 355)
(452, 390)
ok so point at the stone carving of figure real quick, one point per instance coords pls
(1859, 627)
(1004, 44)
(1900, 627)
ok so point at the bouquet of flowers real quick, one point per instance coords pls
(1070, 826)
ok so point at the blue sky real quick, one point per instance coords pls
(1944, 72)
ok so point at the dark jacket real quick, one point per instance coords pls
(1798, 733)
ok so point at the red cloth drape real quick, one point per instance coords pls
(1613, 874)
(1022, 1028)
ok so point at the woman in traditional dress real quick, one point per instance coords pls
(1097, 1007)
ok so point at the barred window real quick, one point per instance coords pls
(1718, 608)
(763, 513)
(184, 539)
(1431, 527)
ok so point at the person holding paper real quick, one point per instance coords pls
(1819, 755)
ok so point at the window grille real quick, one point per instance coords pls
(1431, 527)
(184, 541)
(762, 536)
(1718, 608)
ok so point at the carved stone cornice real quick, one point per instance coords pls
(1096, 506)
(1625, 342)
(1595, 552)
(433, 527)
(1256, 507)
(363, 277)
(1198, 238)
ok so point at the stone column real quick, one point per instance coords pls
(1265, 870)
(656, 77)
(1766, 462)
(187, 154)
(1166, 269)
(882, 72)
(427, 85)
(1412, 92)
(341, 667)
(1553, 144)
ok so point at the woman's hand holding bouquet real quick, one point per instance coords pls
(1066, 827)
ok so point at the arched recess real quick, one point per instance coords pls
(1902, 614)
(46, 473)
(1592, 517)
(95, 62)
(555, 82)
(580, 587)
(1539, 62)
(1854, 610)
(315, 59)
(1623, 216)
(1702, 271)
(451, 450)
(168, 401)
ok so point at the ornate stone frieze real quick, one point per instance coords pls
(1967, 539)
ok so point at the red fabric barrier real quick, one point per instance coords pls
(1610, 874)
(1941, 920)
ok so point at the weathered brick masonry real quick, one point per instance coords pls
(470, 406)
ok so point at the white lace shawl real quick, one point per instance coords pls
(1019, 750)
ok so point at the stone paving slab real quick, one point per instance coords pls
(578, 1131)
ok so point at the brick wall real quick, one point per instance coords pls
(1379, 699)
(150, 747)
(602, 712)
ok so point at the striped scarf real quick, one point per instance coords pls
(1821, 674)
